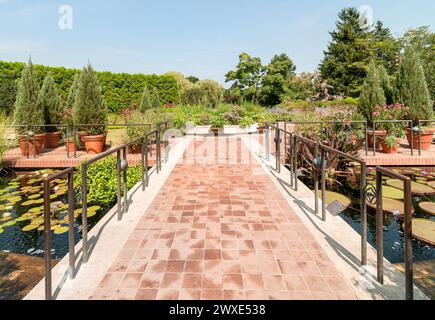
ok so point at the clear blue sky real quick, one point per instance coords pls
(195, 37)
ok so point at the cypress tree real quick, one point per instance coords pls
(26, 109)
(49, 101)
(371, 92)
(385, 84)
(72, 92)
(412, 86)
(155, 99)
(89, 106)
(145, 102)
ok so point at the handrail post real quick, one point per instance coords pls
(71, 242)
(323, 184)
(84, 213)
(419, 138)
(379, 228)
(316, 179)
(146, 161)
(67, 143)
(266, 142)
(408, 240)
(158, 148)
(363, 204)
(142, 158)
(291, 158)
(374, 138)
(366, 139)
(74, 139)
(295, 162)
(124, 178)
(47, 240)
(118, 184)
(277, 150)
(34, 146)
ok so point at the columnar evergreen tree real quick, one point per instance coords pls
(26, 109)
(385, 84)
(72, 92)
(145, 102)
(372, 93)
(50, 102)
(89, 106)
(155, 99)
(412, 88)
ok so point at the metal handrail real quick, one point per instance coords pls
(406, 122)
(47, 227)
(121, 166)
(380, 171)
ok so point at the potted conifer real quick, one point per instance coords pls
(89, 111)
(27, 115)
(412, 90)
(51, 104)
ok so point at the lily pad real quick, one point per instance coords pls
(34, 196)
(9, 223)
(2, 230)
(392, 193)
(431, 184)
(60, 229)
(427, 206)
(332, 196)
(29, 227)
(390, 205)
(36, 209)
(416, 188)
(424, 230)
(28, 202)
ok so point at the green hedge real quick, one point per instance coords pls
(120, 90)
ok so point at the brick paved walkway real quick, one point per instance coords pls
(221, 231)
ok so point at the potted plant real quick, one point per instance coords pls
(89, 111)
(412, 90)
(137, 127)
(202, 123)
(50, 102)
(27, 115)
(390, 144)
(248, 124)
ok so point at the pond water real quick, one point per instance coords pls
(21, 215)
(393, 223)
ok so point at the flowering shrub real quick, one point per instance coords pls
(395, 111)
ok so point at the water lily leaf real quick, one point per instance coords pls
(427, 206)
(332, 196)
(9, 223)
(424, 230)
(28, 202)
(390, 205)
(29, 227)
(1, 230)
(91, 213)
(39, 200)
(94, 208)
(36, 209)
(34, 196)
(392, 193)
(60, 229)
(15, 199)
(24, 217)
(431, 184)
(416, 188)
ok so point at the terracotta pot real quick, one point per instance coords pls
(387, 149)
(81, 134)
(70, 145)
(135, 148)
(94, 144)
(52, 139)
(426, 138)
(379, 134)
(33, 147)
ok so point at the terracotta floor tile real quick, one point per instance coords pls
(124, 294)
(274, 282)
(211, 295)
(131, 280)
(232, 281)
(190, 294)
(171, 280)
(151, 280)
(192, 281)
(167, 294)
(146, 294)
(111, 280)
(252, 281)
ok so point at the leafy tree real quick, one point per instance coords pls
(26, 109)
(210, 92)
(145, 103)
(412, 87)
(192, 79)
(424, 42)
(247, 77)
(279, 72)
(372, 93)
(301, 87)
(89, 106)
(384, 47)
(50, 102)
(155, 99)
(72, 92)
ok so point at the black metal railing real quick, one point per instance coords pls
(122, 206)
(295, 140)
